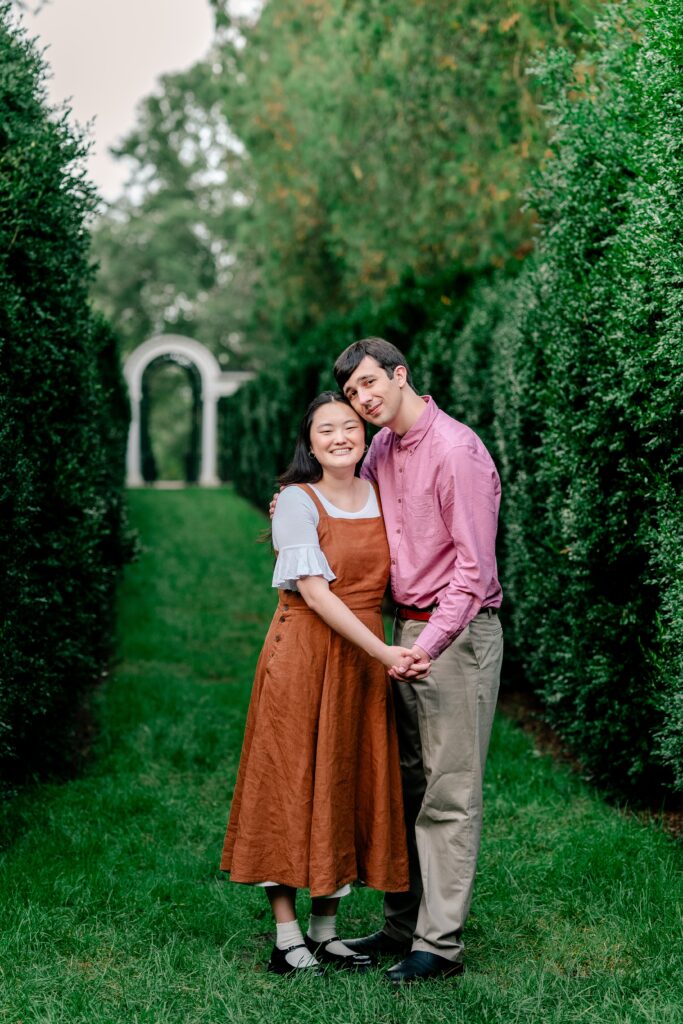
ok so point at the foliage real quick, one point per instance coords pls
(590, 433)
(111, 904)
(381, 137)
(165, 251)
(318, 156)
(63, 416)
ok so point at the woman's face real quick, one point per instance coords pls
(337, 436)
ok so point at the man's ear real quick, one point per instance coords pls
(401, 375)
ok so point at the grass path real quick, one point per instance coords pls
(112, 910)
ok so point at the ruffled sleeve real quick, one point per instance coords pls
(295, 562)
(295, 538)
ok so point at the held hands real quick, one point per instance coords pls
(407, 664)
(418, 667)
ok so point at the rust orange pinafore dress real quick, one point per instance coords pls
(318, 797)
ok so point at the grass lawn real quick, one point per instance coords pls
(112, 906)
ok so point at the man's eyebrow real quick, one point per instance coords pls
(366, 376)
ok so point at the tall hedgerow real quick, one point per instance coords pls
(63, 415)
(589, 394)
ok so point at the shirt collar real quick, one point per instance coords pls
(420, 427)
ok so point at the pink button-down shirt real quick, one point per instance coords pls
(440, 496)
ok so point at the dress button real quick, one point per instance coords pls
(286, 607)
(278, 638)
(282, 618)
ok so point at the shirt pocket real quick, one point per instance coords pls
(421, 514)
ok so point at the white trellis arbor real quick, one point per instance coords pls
(215, 384)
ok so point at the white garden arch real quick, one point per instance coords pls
(215, 383)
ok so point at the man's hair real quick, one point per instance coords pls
(383, 352)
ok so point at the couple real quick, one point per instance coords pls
(320, 800)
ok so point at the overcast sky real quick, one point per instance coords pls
(106, 55)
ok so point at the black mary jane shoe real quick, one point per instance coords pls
(357, 962)
(420, 966)
(278, 963)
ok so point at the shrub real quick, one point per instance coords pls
(62, 428)
(588, 377)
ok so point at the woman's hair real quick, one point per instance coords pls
(304, 469)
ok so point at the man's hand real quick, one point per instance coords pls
(273, 504)
(419, 669)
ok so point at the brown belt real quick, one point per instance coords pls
(425, 614)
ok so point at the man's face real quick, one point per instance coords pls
(373, 394)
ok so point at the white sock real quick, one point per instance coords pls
(289, 934)
(320, 929)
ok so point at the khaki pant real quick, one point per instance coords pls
(444, 725)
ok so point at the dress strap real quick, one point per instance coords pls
(314, 497)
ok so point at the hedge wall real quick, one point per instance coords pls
(589, 394)
(63, 416)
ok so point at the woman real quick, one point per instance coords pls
(318, 797)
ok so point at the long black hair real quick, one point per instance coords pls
(304, 469)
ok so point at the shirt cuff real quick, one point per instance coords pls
(434, 641)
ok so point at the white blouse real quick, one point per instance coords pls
(295, 534)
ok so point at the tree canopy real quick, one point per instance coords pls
(318, 156)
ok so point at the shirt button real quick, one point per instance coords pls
(401, 469)
(398, 530)
(393, 561)
(400, 500)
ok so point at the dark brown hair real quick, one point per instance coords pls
(383, 352)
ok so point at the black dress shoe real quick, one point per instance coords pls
(377, 944)
(419, 966)
(358, 962)
(279, 964)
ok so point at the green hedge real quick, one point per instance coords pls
(63, 416)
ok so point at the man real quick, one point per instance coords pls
(440, 495)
